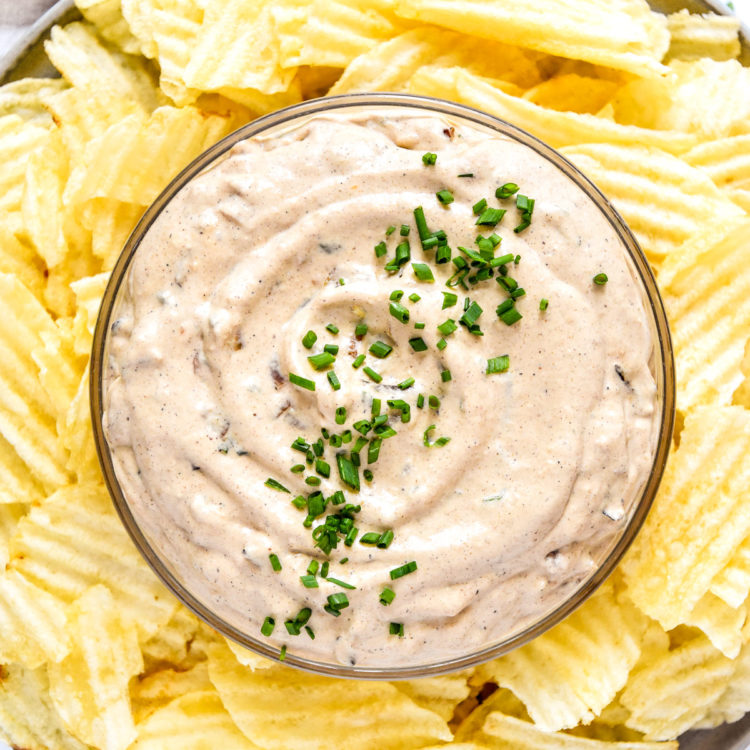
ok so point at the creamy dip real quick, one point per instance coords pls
(545, 460)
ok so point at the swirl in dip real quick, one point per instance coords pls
(545, 457)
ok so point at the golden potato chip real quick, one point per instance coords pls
(626, 36)
(10, 515)
(556, 128)
(710, 322)
(704, 97)
(27, 419)
(151, 692)
(665, 201)
(720, 623)
(673, 692)
(106, 16)
(88, 292)
(331, 32)
(570, 92)
(73, 541)
(438, 694)
(569, 674)
(27, 717)
(501, 699)
(19, 486)
(727, 163)
(77, 436)
(699, 517)
(246, 657)
(26, 98)
(111, 223)
(20, 259)
(88, 63)
(732, 583)
(32, 621)
(89, 687)
(280, 708)
(693, 36)
(508, 732)
(194, 721)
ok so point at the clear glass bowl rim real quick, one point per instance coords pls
(665, 380)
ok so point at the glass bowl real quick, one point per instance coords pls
(662, 368)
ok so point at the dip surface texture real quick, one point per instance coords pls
(545, 460)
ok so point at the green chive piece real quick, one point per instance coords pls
(362, 426)
(396, 628)
(312, 481)
(331, 611)
(420, 325)
(418, 344)
(490, 217)
(448, 327)
(440, 442)
(526, 206)
(449, 299)
(282, 653)
(347, 471)
(338, 601)
(309, 339)
(517, 259)
(385, 539)
(509, 317)
(275, 562)
(429, 159)
(403, 407)
(430, 242)
(601, 279)
(310, 632)
(479, 206)
(414, 297)
(324, 570)
(333, 380)
(405, 229)
(332, 328)
(391, 229)
(423, 272)
(321, 361)
(299, 502)
(343, 561)
(360, 330)
(501, 260)
(376, 407)
(297, 468)
(504, 306)
(466, 174)
(543, 304)
(301, 382)
(375, 376)
(433, 402)
(446, 376)
(387, 595)
(331, 349)
(323, 468)
(396, 295)
(358, 361)
(343, 584)
(340, 415)
(404, 384)
(373, 450)
(351, 535)
(380, 349)
(516, 293)
(274, 485)
(371, 537)
(368, 475)
(403, 570)
(505, 191)
(399, 312)
(309, 581)
(268, 625)
(498, 364)
(471, 315)
(443, 254)
(380, 249)
(445, 197)
(421, 222)
(312, 568)
(441, 344)
(507, 282)
(420, 401)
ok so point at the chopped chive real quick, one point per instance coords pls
(420, 325)
(312, 481)
(387, 595)
(471, 315)
(404, 384)
(274, 485)
(282, 653)
(343, 560)
(448, 327)
(312, 568)
(414, 297)
(275, 562)
(405, 228)
(310, 632)
(509, 317)
(375, 376)
(420, 401)
(268, 625)
(371, 537)
(309, 339)
(479, 206)
(399, 312)
(466, 174)
(368, 475)
(429, 159)
(336, 441)
(449, 299)
(376, 407)
(526, 206)
(373, 450)
(446, 376)
(490, 217)
(323, 468)
(418, 344)
(430, 242)
(309, 581)
(332, 328)
(543, 304)
(441, 344)
(362, 426)
(505, 191)
(403, 570)
(324, 569)
(601, 278)
(443, 254)
(347, 471)
(391, 229)
(380, 349)
(440, 442)
(331, 611)
(517, 259)
(331, 349)
(340, 415)
(358, 361)
(519, 292)
(396, 295)
(385, 539)
(337, 499)
(433, 402)
(351, 535)
(421, 223)
(318, 448)
(498, 364)
(445, 197)
(508, 283)
(299, 502)
(360, 330)
(396, 628)
(338, 601)
(300, 445)
(402, 406)
(343, 584)
(297, 468)
(321, 361)
(301, 382)
(423, 272)
(501, 260)
(333, 380)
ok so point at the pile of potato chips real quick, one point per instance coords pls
(656, 110)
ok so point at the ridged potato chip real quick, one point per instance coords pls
(569, 674)
(10, 515)
(279, 708)
(692, 36)
(20, 260)
(571, 92)
(77, 436)
(153, 691)
(438, 694)
(556, 128)
(26, 98)
(106, 16)
(625, 35)
(720, 623)
(665, 202)
(27, 717)
(732, 583)
(111, 222)
(699, 517)
(89, 687)
(88, 292)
